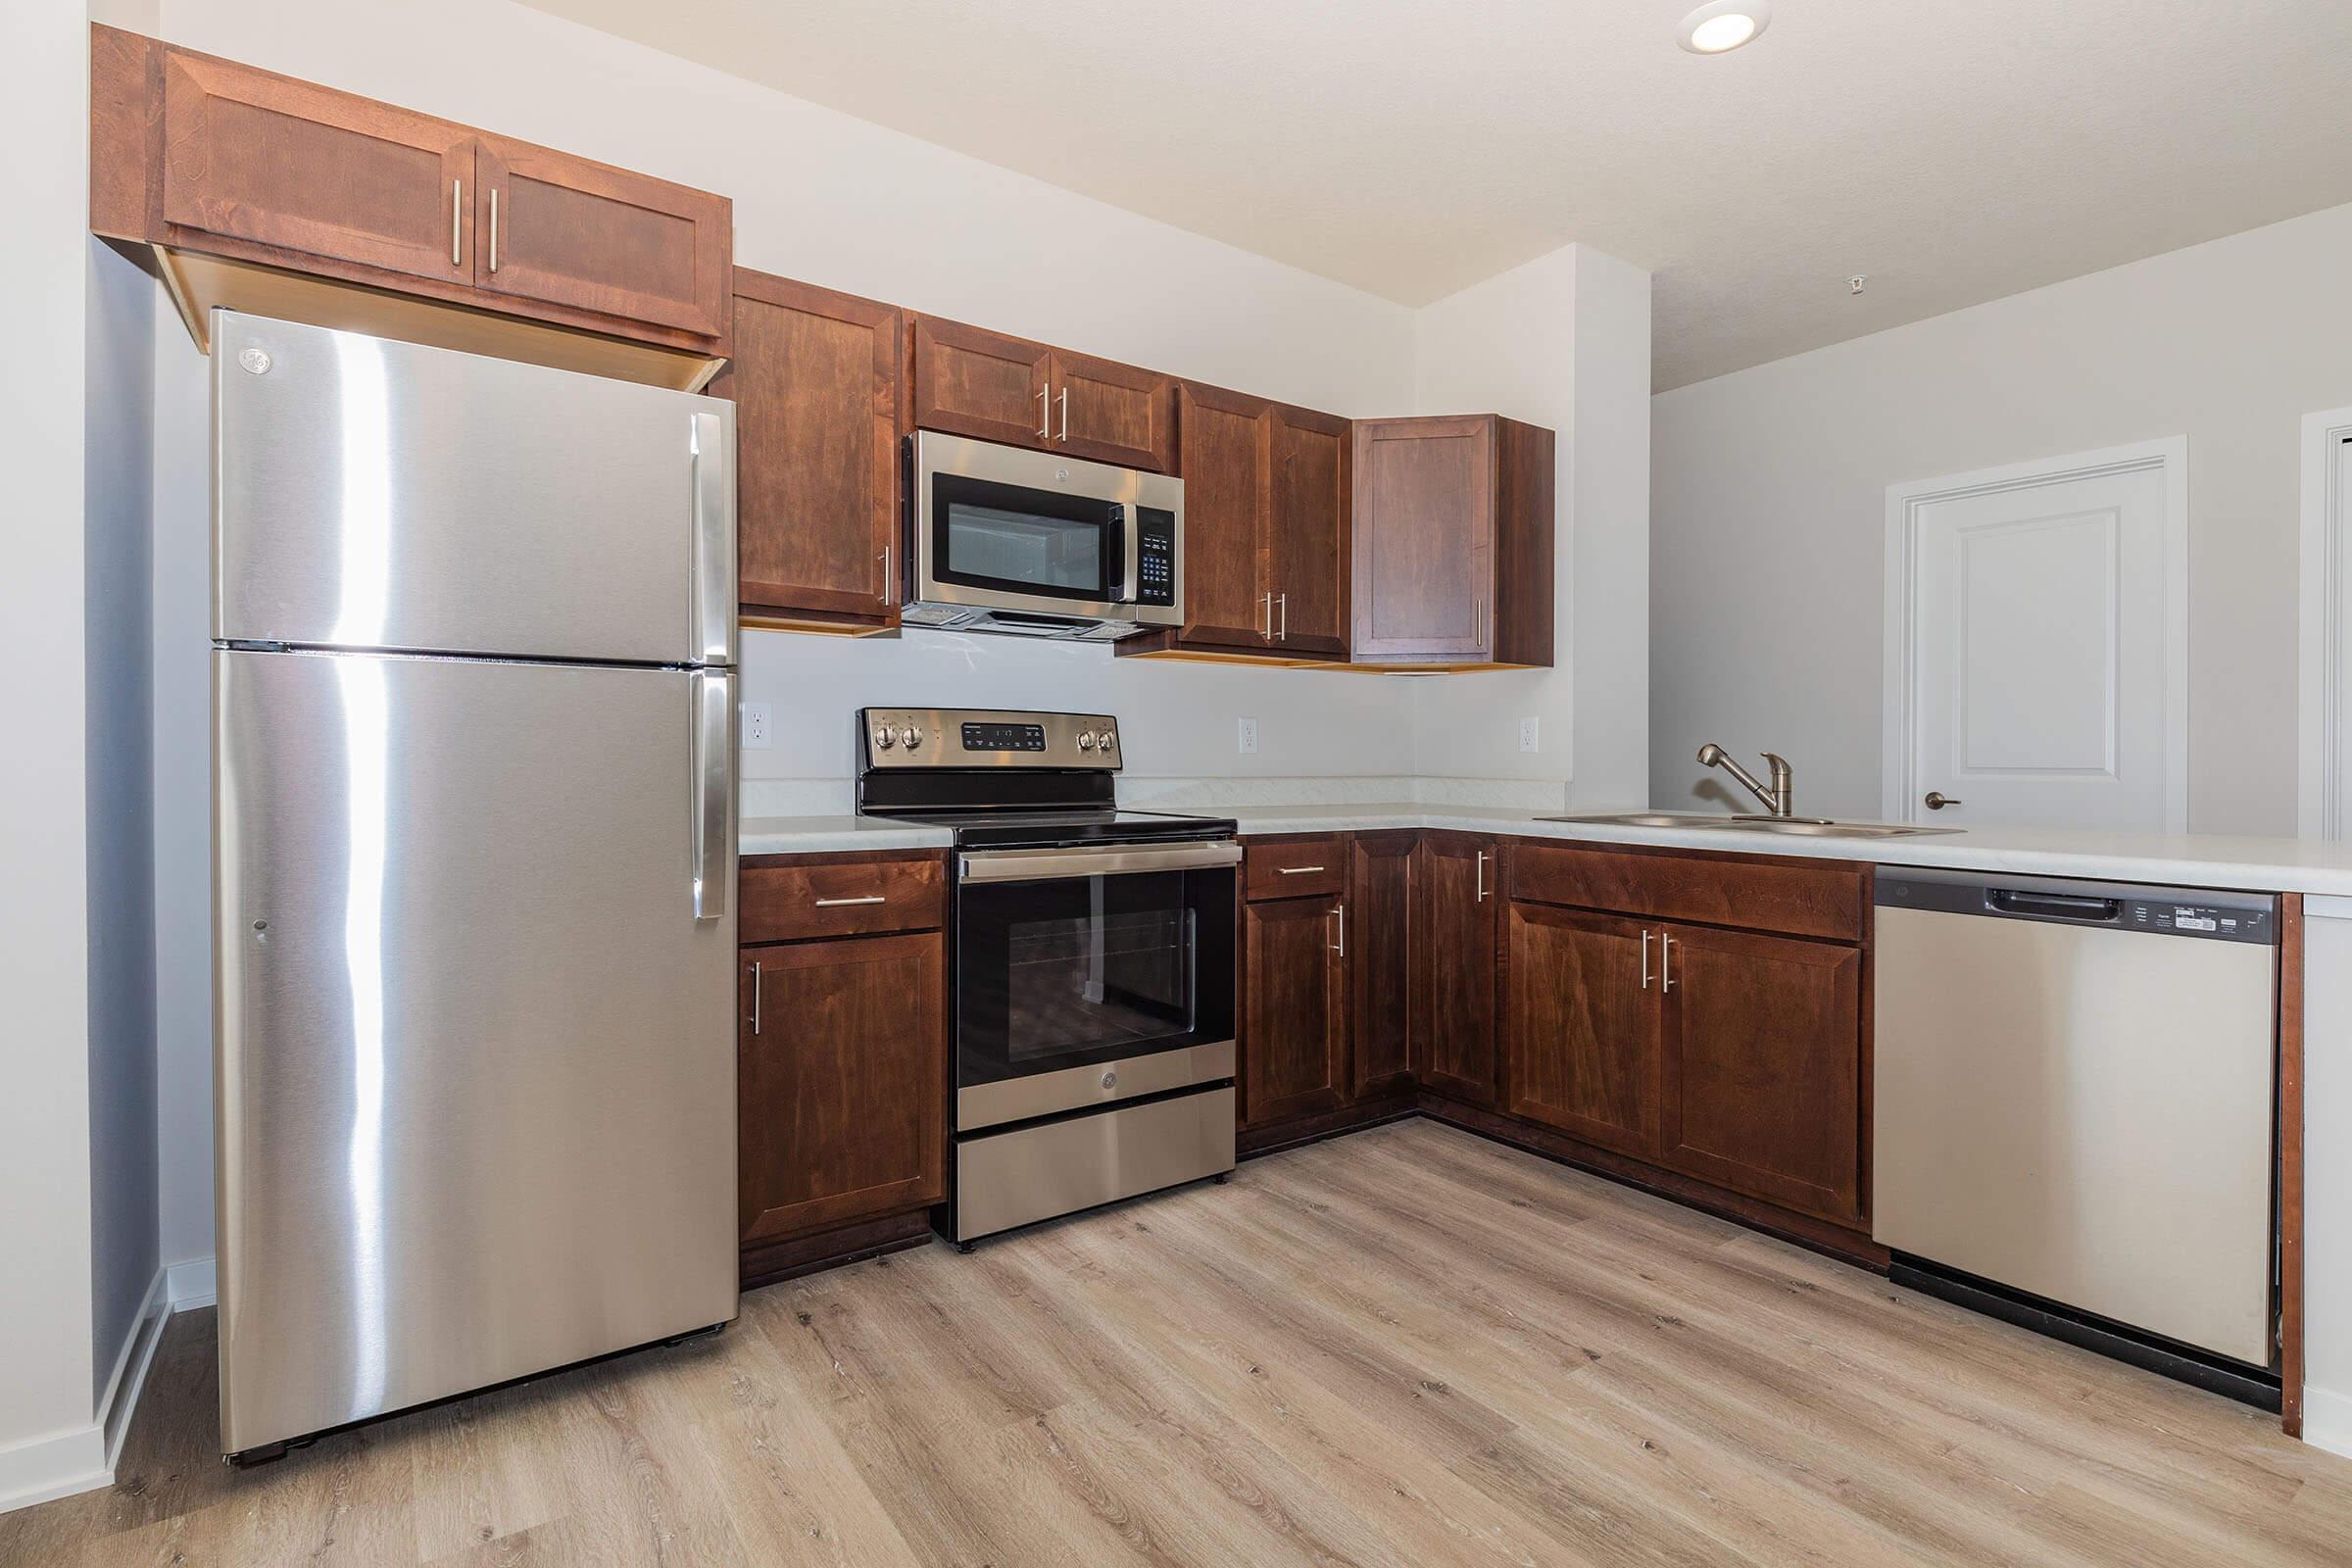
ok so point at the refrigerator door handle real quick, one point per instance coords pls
(714, 695)
(713, 542)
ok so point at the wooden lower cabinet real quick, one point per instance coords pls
(1293, 1043)
(1763, 1060)
(1456, 906)
(1583, 1030)
(1380, 963)
(842, 1053)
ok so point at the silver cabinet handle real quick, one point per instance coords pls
(1481, 876)
(1268, 599)
(870, 898)
(1044, 414)
(1938, 801)
(886, 583)
(1646, 960)
(457, 223)
(1066, 410)
(755, 996)
(714, 539)
(494, 229)
(1341, 946)
(713, 763)
(1665, 960)
(1294, 870)
(1284, 635)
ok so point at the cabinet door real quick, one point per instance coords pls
(1764, 1054)
(1423, 545)
(259, 157)
(1582, 1025)
(981, 385)
(1224, 458)
(1294, 1030)
(842, 1082)
(1380, 989)
(1457, 923)
(1307, 532)
(567, 231)
(816, 383)
(1106, 412)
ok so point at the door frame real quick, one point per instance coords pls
(1898, 784)
(2320, 782)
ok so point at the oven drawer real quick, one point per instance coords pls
(839, 896)
(1295, 869)
(1060, 1167)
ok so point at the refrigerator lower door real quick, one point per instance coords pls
(476, 1076)
(372, 494)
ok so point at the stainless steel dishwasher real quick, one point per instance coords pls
(2074, 1092)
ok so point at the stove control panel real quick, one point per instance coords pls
(974, 737)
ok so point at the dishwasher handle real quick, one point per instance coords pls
(2054, 905)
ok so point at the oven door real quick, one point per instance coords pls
(1085, 978)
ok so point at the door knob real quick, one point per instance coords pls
(1938, 801)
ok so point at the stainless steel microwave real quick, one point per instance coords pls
(1007, 540)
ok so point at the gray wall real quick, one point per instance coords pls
(119, 750)
(1769, 486)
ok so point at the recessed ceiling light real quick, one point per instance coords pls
(1722, 26)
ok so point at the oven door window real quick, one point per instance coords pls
(988, 535)
(1078, 970)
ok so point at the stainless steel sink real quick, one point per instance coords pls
(1809, 826)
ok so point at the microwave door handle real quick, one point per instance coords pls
(1131, 555)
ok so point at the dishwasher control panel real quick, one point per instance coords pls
(2199, 919)
(2209, 914)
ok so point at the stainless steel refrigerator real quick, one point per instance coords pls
(473, 860)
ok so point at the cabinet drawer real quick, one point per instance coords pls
(1806, 899)
(789, 900)
(1295, 869)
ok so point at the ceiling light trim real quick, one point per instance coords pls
(1714, 29)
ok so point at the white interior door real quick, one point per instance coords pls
(2037, 623)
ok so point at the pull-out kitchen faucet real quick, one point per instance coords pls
(1777, 799)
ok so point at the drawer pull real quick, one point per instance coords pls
(1295, 870)
(755, 995)
(832, 903)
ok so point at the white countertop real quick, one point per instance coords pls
(2260, 864)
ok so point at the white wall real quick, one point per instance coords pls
(45, 1284)
(1768, 533)
(1563, 342)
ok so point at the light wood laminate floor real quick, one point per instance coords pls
(1405, 1348)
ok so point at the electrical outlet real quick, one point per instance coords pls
(1527, 734)
(1248, 737)
(756, 727)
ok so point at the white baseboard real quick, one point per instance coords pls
(193, 1283)
(2327, 1420)
(83, 1458)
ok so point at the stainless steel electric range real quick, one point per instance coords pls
(1093, 953)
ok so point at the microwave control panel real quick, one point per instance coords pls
(1155, 557)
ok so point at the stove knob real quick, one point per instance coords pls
(1108, 739)
(884, 739)
(909, 737)
(1086, 740)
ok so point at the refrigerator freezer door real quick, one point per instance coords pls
(381, 495)
(477, 1052)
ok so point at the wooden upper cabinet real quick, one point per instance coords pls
(1293, 1043)
(1224, 465)
(1106, 412)
(816, 382)
(567, 231)
(250, 154)
(842, 1066)
(1456, 933)
(1582, 1036)
(995, 387)
(1380, 967)
(1764, 1057)
(1309, 460)
(1453, 541)
(970, 381)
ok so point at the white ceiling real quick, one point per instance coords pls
(1953, 150)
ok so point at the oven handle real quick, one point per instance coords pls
(1033, 866)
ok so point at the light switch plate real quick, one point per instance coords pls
(756, 727)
